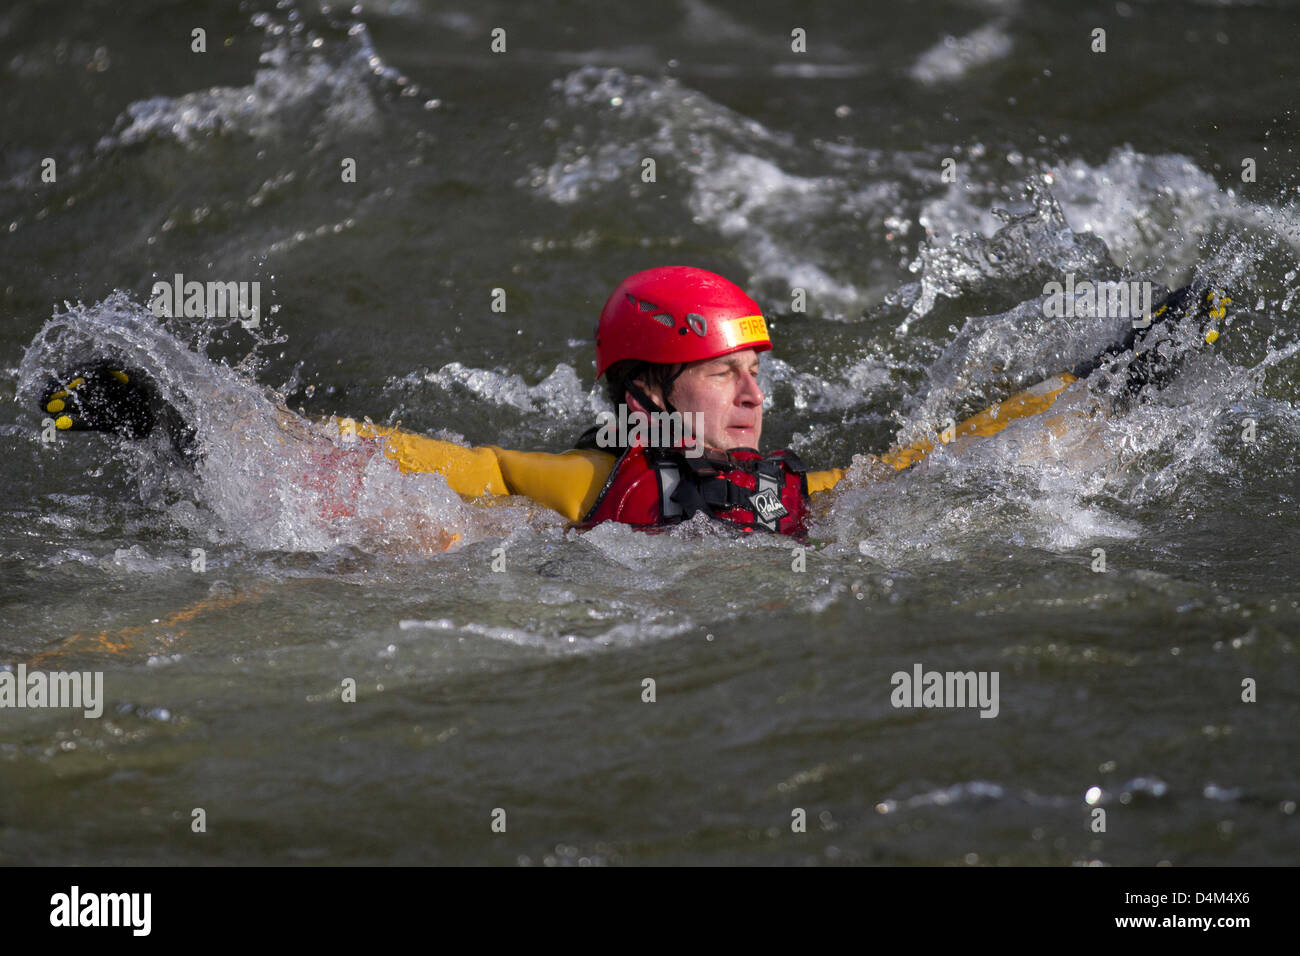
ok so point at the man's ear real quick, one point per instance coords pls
(633, 405)
(651, 392)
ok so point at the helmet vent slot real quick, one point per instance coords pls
(642, 304)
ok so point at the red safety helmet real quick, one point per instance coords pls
(677, 314)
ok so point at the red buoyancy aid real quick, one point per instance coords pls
(660, 486)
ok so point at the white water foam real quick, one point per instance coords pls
(560, 394)
(952, 58)
(738, 183)
(270, 479)
(303, 83)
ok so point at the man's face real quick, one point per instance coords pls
(725, 392)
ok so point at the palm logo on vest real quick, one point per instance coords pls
(766, 503)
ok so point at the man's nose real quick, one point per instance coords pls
(750, 393)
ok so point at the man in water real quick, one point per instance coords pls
(679, 348)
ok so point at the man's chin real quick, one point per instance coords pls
(737, 438)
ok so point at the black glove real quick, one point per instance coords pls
(1148, 354)
(103, 397)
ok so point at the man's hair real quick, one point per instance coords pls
(653, 374)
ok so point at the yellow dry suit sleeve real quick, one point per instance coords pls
(992, 420)
(569, 482)
(819, 481)
(469, 471)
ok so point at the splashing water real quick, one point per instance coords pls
(304, 87)
(271, 479)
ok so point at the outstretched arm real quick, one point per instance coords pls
(1032, 401)
(103, 397)
(1200, 302)
(568, 482)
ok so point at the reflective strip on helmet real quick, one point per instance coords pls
(749, 330)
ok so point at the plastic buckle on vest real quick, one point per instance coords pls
(669, 474)
(721, 494)
(792, 461)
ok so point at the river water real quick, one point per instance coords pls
(230, 612)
